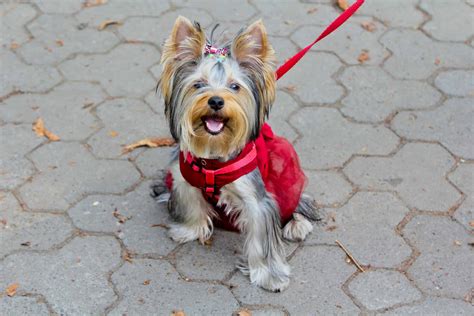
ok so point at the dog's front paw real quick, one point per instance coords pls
(183, 233)
(276, 281)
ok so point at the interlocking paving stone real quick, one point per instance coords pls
(329, 140)
(456, 82)
(210, 262)
(463, 178)
(118, 10)
(67, 171)
(29, 231)
(157, 29)
(22, 305)
(374, 95)
(16, 141)
(451, 124)
(284, 18)
(435, 306)
(153, 160)
(52, 44)
(122, 72)
(311, 80)
(416, 172)
(450, 20)
(381, 289)
(328, 188)
(231, 11)
(401, 13)
(79, 267)
(416, 56)
(444, 266)
(348, 42)
(137, 209)
(61, 109)
(167, 291)
(284, 106)
(126, 121)
(16, 76)
(14, 16)
(59, 6)
(316, 276)
(365, 215)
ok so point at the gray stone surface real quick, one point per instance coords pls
(311, 80)
(386, 144)
(29, 231)
(456, 82)
(435, 306)
(329, 140)
(349, 42)
(416, 56)
(80, 267)
(77, 172)
(381, 289)
(444, 265)
(52, 44)
(367, 214)
(463, 178)
(417, 172)
(122, 72)
(126, 121)
(324, 266)
(450, 20)
(167, 291)
(22, 305)
(374, 95)
(450, 124)
(62, 111)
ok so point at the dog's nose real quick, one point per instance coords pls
(216, 103)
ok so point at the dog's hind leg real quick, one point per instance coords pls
(298, 228)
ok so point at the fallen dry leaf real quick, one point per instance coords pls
(40, 130)
(149, 142)
(363, 57)
(113, 134)
(178, 313)
(14, 45)
(106, 23)
(457, 243)
(87, 105)
(122, 219)
(160, 225)
(311, 10)
(11, 289)
(60, 43)
(127, 257)
(208, 242)
(368, 26)
(146, 282)
(437, 61)
(3, 222)
(244, 312)
(471, 223)
(342, 4)
(93, 3)
(331, 228)
(290, 88)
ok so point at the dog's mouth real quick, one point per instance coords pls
(214, 124)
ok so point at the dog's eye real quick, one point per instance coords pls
(198, 85)
(234, 86)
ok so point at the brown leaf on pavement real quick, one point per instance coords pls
(368, 26)
(363, 57)
(149, 142)
(106, 23)
(311, 10)
(122, 219)
(244, 312)
(60, 43)
(14, 46)
(178, 313)
(11, 289)
(93, 3)
(40, 130)
(343, 4)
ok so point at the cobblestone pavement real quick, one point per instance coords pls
(387, 143)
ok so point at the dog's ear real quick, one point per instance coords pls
(186, 42)
(251, 45)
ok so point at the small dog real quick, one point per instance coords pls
(216, 102)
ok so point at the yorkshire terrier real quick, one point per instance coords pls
(229, 169)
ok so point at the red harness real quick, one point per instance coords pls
(278, 164)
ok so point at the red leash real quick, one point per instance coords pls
(333, 26)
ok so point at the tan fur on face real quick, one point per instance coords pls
(234, 135)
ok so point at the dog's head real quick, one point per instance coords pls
(216, 98)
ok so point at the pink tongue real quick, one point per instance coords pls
(214, 126)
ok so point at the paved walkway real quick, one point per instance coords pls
(381, 114)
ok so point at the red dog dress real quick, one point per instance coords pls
(274, 156)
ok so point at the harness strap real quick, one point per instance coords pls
(281, 71)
